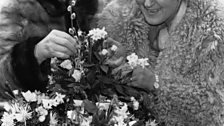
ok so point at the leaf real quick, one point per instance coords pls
(89, 106)
(105, 80)
(104, 68)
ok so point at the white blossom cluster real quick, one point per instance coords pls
(134, 61)
(97, 34)
(107, 51)
(16, 112)
(77, 74)
(22, 112)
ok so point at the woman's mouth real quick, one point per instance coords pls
(153, 11)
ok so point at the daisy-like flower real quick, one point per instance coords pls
(77, 75)
(29, 96)
(53, 119)
(23, 114)
(132, 60)
(59, 98)
(114, 48)
(97, 34)
(7, 119)
(67, 64)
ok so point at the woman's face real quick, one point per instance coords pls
(158, 11)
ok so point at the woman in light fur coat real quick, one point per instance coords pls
(31, 32)
(183, 40)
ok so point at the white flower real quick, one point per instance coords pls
(143, 62)
(40, 97)
(79, 32)
(77, 75)
(15, 92)
(7, 107)
(50, 78)
(135, 105)
(59, 98)
(114, 48)
(104, 106)
(47, 103)
(86, 121)
(78, 102)
(7, 119)
(53, 60)
(67, 64)
(42, 118)
(41, 111)
(53, 119)
(132, 60)
(97, 34)
(104, 52)
(23, 114)
(29, 97)
(71, 114)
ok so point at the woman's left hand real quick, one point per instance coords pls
(116, 57)
(143, 78)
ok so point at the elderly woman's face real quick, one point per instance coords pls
(158, 11)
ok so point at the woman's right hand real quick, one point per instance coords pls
(55, 44)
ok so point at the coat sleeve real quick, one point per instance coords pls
(18, 66)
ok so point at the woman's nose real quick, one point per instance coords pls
(148, 3)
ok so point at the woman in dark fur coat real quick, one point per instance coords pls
(31, 32)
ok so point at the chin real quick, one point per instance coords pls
(153, 21)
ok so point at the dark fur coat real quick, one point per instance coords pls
(23, 24)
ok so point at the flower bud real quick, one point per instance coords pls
(73, 16)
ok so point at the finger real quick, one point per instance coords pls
(59, 48)
(110, 42)
(65, 43)
(60, 55)
(66, 36)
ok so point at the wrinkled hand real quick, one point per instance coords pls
(143, 78)
(55, 44)
(116, 58)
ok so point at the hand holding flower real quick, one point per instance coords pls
(55, 44)
(143, 78)
(116, 52)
